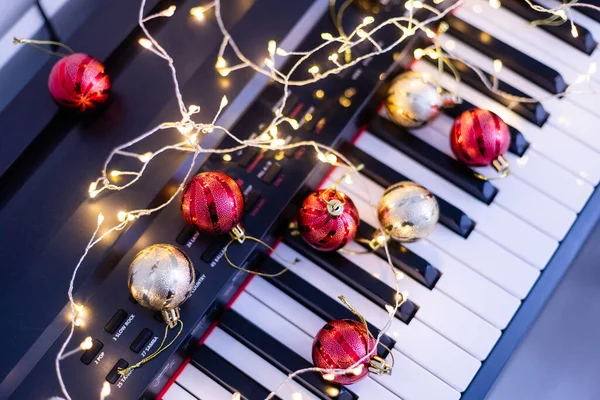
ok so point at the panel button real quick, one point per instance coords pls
(185, 235)
(88, 356)
(271, 173)
(251, 200)
(113, 376)
(116, 321)
(248, 156)
(141, 340)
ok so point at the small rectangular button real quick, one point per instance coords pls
(88, 356)
(213, 249)
(271, 173)
(113, 376)
(116, 321)
(251, 200)
(141, 340)
(185, 235)
(248, 156)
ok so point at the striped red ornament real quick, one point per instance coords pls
(479, 137)
(328, 219)
(78, 81)
(213, 202)
(339, 345)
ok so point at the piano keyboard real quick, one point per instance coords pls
(475, 284)
(486, 270)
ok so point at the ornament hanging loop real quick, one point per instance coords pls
(37, 44)
(161, 348)
(501, 165)
(238, 234)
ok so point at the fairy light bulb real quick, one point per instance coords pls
(368, 20)
(329, 377)
(87, 343)
(122, 216)
(145, 157)
(326, 36)
(314, 70)
(498, 65)
(358, 370)
(236, 396)
(272, 47)
(105, 392)
(198, 13)
(145, 43)
(574, 31)
(495, 4)
(331, 158)
(169, 11)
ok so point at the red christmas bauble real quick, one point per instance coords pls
(478, 137)
(213, 202)
(79, 81)
(339, 345)
(328, 220)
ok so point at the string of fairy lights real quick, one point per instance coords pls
(192, 131)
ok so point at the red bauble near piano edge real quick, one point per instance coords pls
(340, 345)
(213, 202)
(328, 219)
(479, 137)
(78, 81)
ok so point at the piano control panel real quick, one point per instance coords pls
(475, 284)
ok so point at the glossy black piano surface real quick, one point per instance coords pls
(48, 157)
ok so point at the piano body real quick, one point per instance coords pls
(476, 284)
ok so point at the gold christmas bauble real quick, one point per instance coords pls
(408, 212)
(413, 99)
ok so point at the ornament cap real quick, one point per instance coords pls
(171, 316)
(238, 233)
(335, 207)
(378, 366)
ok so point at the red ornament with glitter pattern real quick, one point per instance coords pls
(213, 202)
(479, 137)
(339, 345)
(328, 220)
(78, 81)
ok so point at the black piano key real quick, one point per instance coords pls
(533, 112)
(450, 216)
(584, 41)
(446, 167)
(226, 374)
(354, 276)
(524, 65)
(280, 356)
(405, 260)
(518, 143)
(316, 301)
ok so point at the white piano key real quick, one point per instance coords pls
(437, 310)
(564, 114)
(550, 44)
(490, 21)
(418, 384)
(176, 392)
(566, 151)
(253, 365)
(501, 267)
(301, 343)
(506, 229)
(468, 287)
(515, 196)
(457, 281)
(200, 385)
(427, 388)
(436, 353)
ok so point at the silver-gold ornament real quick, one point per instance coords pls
(161, 278)
(414, 99)
(408, 212)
